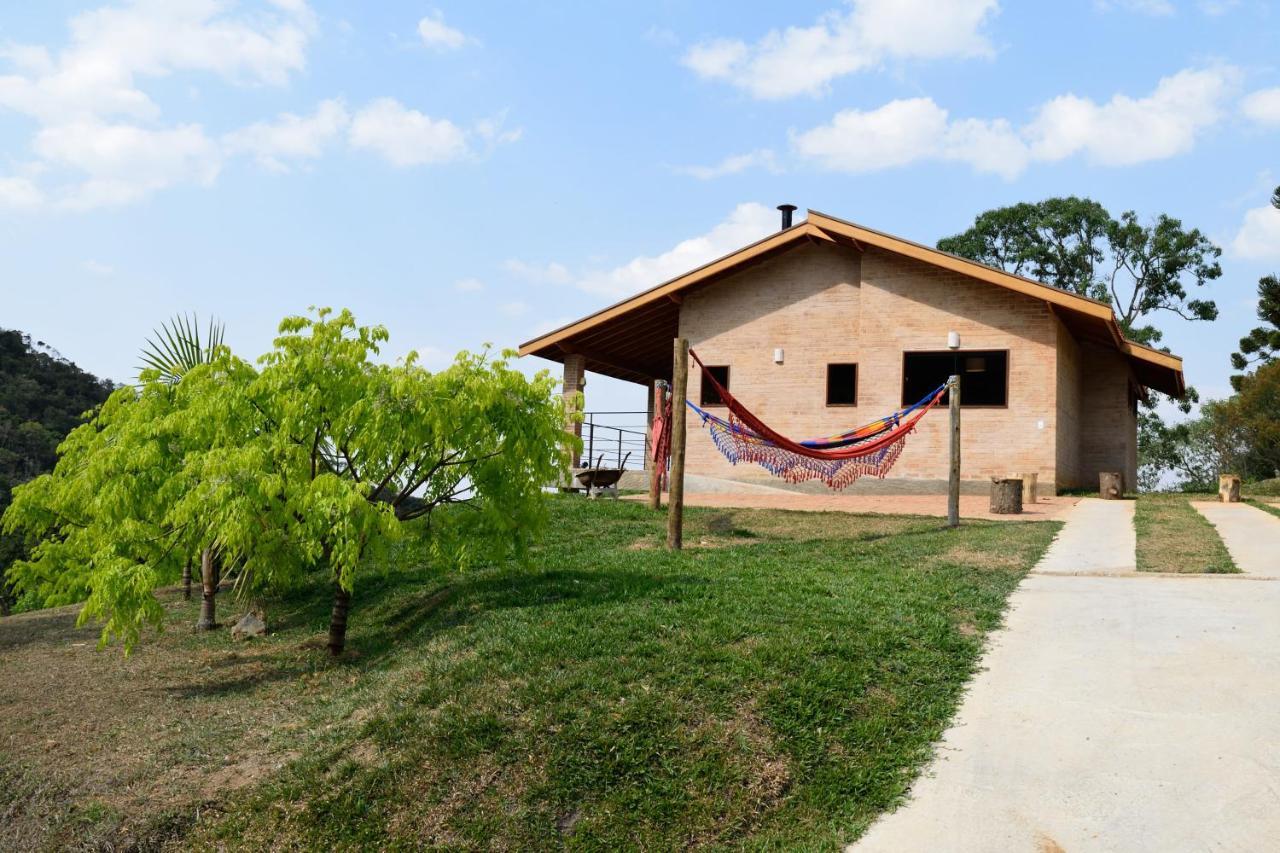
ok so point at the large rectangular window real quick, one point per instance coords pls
(710, 396)
(984, 375)
(842, 384)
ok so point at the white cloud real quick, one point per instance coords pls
(98, 268)
(436, 33)
(406, 137)
(124, 163)
(110, 47)
(514, 309)
(289, 136)
(1259, 235)
(746, 224)
(551, 273)
(732, 165)
(1122, 131)
(1127, 130)
(804, 60)
(1154, 8)
(468, 285)
(99, 140)
(19, 193)
(434, 358)
(1263, 107)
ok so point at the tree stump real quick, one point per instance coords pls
(1229, 488)
(1110, 485)
(1006, 495)
(1028, 487)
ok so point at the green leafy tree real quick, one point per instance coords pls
(43, 397)
(99, 518)
(174, 349)
(311, 462)
(1262, 344)
(1250, 424)
(1076, 245)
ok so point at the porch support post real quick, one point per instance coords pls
(575, 381)
(953, 484)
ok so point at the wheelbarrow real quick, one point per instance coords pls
(597, 479)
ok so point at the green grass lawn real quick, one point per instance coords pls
(1174, 537)
(776, 685)
(1265, 505)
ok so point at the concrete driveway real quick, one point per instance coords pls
(1113, 713)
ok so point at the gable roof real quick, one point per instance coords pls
(631, 339)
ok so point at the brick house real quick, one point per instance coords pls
(825, 325)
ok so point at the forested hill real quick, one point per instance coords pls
(42, 396)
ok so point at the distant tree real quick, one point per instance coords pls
(42, 398)
(1074, 244)
(1250, 423)
(1262, 344)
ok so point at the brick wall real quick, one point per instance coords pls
(824, 304)
(1068, 406)
(1109, 425)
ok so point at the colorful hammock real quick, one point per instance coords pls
(838, 460)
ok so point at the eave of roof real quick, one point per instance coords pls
(824, 227)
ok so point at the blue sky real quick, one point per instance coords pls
(472, 172)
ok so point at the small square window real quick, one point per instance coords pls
(711, 396)
(842, 384)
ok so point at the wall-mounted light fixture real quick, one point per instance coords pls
(953, 340)
(777, 355)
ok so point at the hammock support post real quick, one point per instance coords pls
(675, 496)
(953, 482)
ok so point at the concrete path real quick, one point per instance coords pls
(1113, 714)
(1252, 535)
(1098, 539)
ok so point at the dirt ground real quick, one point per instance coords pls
(971, 506)
(91, 741)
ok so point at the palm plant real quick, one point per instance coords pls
(174, 349)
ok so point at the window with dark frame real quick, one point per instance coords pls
(984, 376)
(710, 396)
(842, 384)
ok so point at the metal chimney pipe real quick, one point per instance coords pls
(786, 215)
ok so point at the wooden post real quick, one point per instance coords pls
(656, 465)
(953, 484)
(675, 497)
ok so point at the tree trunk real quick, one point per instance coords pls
(209, 591)
(1006, 495)
(1110, 485)
(186, 580)
(338, 619)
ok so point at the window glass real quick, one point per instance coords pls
(842, 384)
(710, 396)
(984, 376)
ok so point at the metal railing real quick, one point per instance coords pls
(615, 440)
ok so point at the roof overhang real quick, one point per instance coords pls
(631, 339)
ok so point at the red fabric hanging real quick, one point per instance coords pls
(760, 428)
